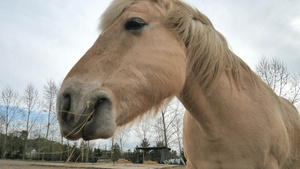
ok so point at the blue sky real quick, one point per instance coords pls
(40, 40)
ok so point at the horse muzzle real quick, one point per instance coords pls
(85, 111)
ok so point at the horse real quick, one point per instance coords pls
(150, 51)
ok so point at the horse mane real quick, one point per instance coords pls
(113, 11)
(207, 50)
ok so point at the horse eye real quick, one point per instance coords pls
(134, 23)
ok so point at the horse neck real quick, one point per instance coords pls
(198, 105)
(208, 109)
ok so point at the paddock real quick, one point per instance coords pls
(16, 164)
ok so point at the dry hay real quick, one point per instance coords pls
(150, 162)
(123, 161)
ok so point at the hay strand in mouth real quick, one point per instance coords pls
(85, 122)
(81, 125)
(71, 155)
(88, 103)
(76, 114)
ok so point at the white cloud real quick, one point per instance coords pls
(295, 24)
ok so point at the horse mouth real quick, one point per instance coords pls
(99, 121)
(95, 120)
(90, 117)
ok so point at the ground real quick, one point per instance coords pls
(15, 164)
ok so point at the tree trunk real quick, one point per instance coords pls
(164, 129)
(52, 151)
(87, 152)
(4, 143)
(46, 139)
(61, 148)
(47, 132)
(112, 150)
(179, 144)
(25, 147)
(38, 148)
(26, 137)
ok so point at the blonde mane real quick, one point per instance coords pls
(206, 49)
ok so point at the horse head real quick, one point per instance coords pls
(133, 67)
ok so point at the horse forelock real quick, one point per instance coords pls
(114, 10)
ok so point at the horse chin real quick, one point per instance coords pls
(102, 122)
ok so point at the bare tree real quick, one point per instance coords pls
(10, 101)
(143, 129)
(178, 127)
(50, 93)
(168, 126)
(275, 73)
(295, 89)
(122, 135)
(167, 118)
(30, 100)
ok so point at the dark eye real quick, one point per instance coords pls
(134, 24)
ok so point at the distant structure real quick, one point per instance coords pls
(164, 152)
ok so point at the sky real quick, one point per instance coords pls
(41, 40)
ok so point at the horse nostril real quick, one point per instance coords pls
(65, 108)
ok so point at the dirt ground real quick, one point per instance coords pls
(15, 164)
